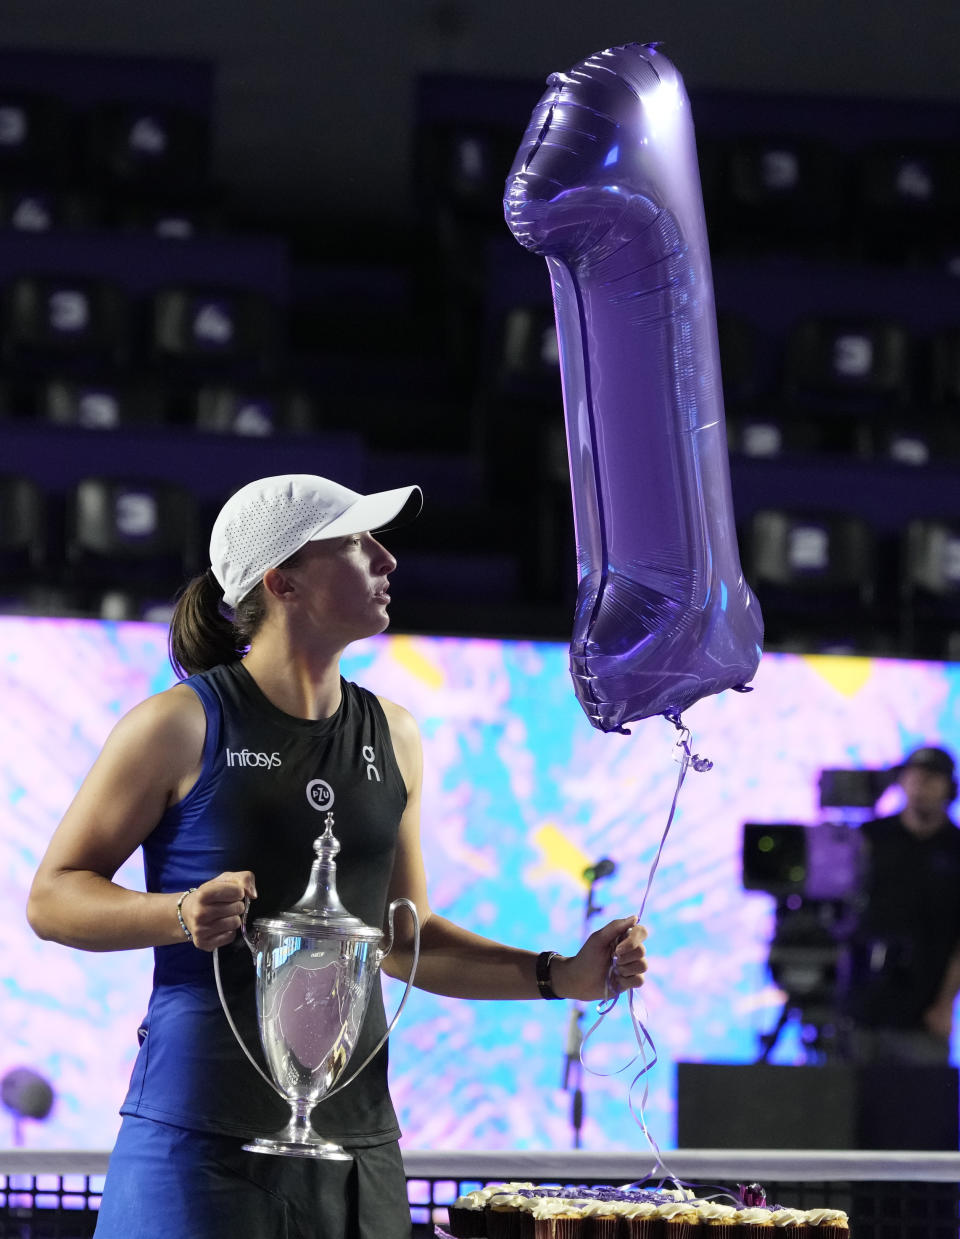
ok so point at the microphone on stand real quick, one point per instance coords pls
(574, 1041)
(572, 1066)
(573, 1073)
(605, 868)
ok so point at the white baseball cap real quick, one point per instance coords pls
(266, 521)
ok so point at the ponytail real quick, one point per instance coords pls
(203, 635)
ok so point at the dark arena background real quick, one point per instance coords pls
(249, 239)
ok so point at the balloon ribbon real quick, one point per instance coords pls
(700, 764)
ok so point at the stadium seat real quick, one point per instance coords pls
(95, 405)
(841, 358)
(916, 444)
(171, 220)
(254, 412)
(137, 145)
(210, 326)
(763, 432)
(530, 351)
(740, 359)
(781, 189)
(22, 528)
(930, 588)
(907, 186)
(465, 166)
(946, 368)
(814, 572)
(48, 316)
(32, 208)
(813, 551)
(131, 533)
(36, 136)
(459, 175)
(933, 557)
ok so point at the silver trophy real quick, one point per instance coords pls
(316, 967)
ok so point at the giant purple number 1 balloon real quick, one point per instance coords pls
(605, 186)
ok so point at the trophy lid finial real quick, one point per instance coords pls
(319, 908)
(319, 912)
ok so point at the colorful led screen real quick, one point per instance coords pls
(521, 796)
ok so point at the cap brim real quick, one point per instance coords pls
(371, 513)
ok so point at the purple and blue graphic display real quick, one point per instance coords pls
(521, 795)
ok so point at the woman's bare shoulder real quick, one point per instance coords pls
(171, 721)
(402, 723)
(405, 735)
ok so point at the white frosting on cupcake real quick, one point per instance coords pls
(754, 1217)
(635, 1208)
(788, 1217)
(478, 1198)
(677, 1209)
(551, 1206)
(713, 1211)
(827, 1217)
(597, 1208)
(509, 1200)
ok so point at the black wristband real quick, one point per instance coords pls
(544, 960)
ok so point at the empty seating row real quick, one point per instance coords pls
(37, 207)
(829, 356)
(108, 403)
(912, 438)
(289, 405)
(888, 199)
(122, 546)
(776, 170)
(827, 571)
(127, 142)
(55, 317)
(821, 572)
(140, 536)
(843, 357)
(785, 178)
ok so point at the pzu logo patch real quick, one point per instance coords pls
(320, 795)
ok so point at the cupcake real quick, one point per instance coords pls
(828, 1224)
(640, 1218)
(466, 1214)
(715, 1216)
(755, 1222)
(600, 1217)
(792, 1223)
(680, 1220)
(556, 1217)
(530, 1215)
(507, 1215)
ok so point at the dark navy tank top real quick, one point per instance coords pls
(267, 783)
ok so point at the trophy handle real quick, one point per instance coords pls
(243, 929)
(233, 1028)
(405, 903)
(226, 1010)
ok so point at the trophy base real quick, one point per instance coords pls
(327, 1150)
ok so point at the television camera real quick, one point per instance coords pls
(816, 873)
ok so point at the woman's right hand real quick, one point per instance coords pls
(214, 911)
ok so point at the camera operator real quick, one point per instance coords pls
(906, 973)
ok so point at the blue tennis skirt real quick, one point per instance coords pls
(165, 1181)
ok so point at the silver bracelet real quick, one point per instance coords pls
(183, 925)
